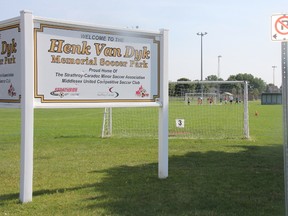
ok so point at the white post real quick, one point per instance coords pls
(246, 113)
(27, 108)
(163, 110)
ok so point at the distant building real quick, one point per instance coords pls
(271, 98)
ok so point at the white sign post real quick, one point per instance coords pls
(73, 65)
(27, 107)
(163, 112)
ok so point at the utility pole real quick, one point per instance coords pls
(219, 56)
(274, 66)
(202, 34)
(218, 76)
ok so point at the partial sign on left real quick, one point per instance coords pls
(10, 76)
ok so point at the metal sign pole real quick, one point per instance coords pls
(279, 32)
(285, 118)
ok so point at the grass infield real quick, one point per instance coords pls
(78, 173)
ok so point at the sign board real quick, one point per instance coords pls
(10, 71)
(65, 64)
(279, 27)
(74, 65)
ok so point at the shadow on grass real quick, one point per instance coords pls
(14, 196)
(76, 136)
(248, 182)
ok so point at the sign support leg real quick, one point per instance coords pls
(27, 108)
(163, 110)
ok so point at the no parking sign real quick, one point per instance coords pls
(279, 27)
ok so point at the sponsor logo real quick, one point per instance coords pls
(109, 93)
(113, 92)
(11, 91)
(141, 92)
(62, 92)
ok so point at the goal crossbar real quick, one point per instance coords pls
(208, 82)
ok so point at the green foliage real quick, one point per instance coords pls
(181, 89)
(212, 78)
(172, 89)
(256, 86)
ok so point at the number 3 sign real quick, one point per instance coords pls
(180, 123)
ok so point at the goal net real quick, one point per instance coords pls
(223, 113)
(130, 122)
(200, 98)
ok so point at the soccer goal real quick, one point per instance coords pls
(227, 119)
(222, 114)
(107, 122)
(130, 122)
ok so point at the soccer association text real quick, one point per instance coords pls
(98, 78)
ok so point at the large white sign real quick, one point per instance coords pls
(65, 64)
(279, 28)
(10, 76)
(84, 65)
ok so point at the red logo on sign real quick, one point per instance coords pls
(281, 25)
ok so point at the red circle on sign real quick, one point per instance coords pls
(285, 26)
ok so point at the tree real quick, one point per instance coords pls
(270, 88)
(172, 89)
(181, 88)
(211, 78)
(256, 86)
(255, 93)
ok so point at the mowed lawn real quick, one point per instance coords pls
(78, 173)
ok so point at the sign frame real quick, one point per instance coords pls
(89, 32)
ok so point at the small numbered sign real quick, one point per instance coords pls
(180, 123)
(279, 27)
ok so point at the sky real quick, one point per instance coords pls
(239, 31)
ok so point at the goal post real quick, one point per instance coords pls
(224, 117)
(107, 123)
(230, 120)
(246, 111)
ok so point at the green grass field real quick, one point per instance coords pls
(78, 173)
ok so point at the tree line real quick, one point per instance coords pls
(256, 86)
